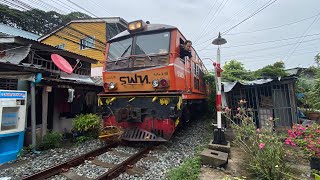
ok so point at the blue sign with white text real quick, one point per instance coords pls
(13, 94)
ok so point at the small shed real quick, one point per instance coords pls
(267, 98)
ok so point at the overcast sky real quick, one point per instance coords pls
(201, 20)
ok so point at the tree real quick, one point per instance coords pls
(317, 59)
(35, 20)
(275, 70)
(235, 71)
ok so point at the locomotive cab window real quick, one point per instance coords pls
(147, 44)
(120, 49)
(152, 44)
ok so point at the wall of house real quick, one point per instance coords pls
(71, 39)
(61, 124)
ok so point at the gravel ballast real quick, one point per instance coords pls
(164, 157)
(45, 159)
(173, 153)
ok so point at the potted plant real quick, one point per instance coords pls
(308, 140)
(87, 125)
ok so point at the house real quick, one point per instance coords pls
(58, 96)
(268, 98)
(306, 74)
(87, 37)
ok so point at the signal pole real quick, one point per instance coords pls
(219, 137)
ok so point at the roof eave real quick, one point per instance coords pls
(45, 47)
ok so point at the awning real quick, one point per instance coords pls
(228, 86)
(14, 55)
(18, 75)
(77, 78)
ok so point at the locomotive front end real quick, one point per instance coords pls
(138, 84)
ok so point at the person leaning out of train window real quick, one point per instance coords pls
(185, 49)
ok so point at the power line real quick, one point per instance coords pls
(264, 42)
(207, 15)
(235, 14)
(73, 35)
(268, 55)
(307, 30)
(270, 58)
(274, 47)
(99, 6)
(213, 18)
(264, 29)
(274, 27)
(9, 3)
(82, 8)
(250, 16)
(253, 14)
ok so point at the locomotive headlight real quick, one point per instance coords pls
(155, 83)
(136, 26)
(112, 85)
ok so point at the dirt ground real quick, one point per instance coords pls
(234, 167)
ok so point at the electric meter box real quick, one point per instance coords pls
(12, 123)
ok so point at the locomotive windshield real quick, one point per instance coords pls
(147, 44)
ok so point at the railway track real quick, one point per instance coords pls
(110, 170)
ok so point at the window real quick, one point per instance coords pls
(196, 69)
(120, 49)
(144, 44)
(152, 43)
(10, 118)
(60, 46)
(87, 42)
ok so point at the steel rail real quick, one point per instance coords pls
(51, 171)
(122, 167)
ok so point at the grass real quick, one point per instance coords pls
(191, 167)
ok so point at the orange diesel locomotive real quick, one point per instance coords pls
(149, 90)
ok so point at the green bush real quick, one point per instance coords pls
(51, 140)
(189, 169)
(86, 123)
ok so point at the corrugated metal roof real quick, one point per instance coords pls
(45, 47)
(228, 86)
(102, 19)
(17, 32)
(66, 81)
(97, 80)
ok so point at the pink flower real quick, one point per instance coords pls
(288, 141)
(238, 108)
(302, 128)
(258, 130)
(293, 144)
(261, 145)
(227, 108)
